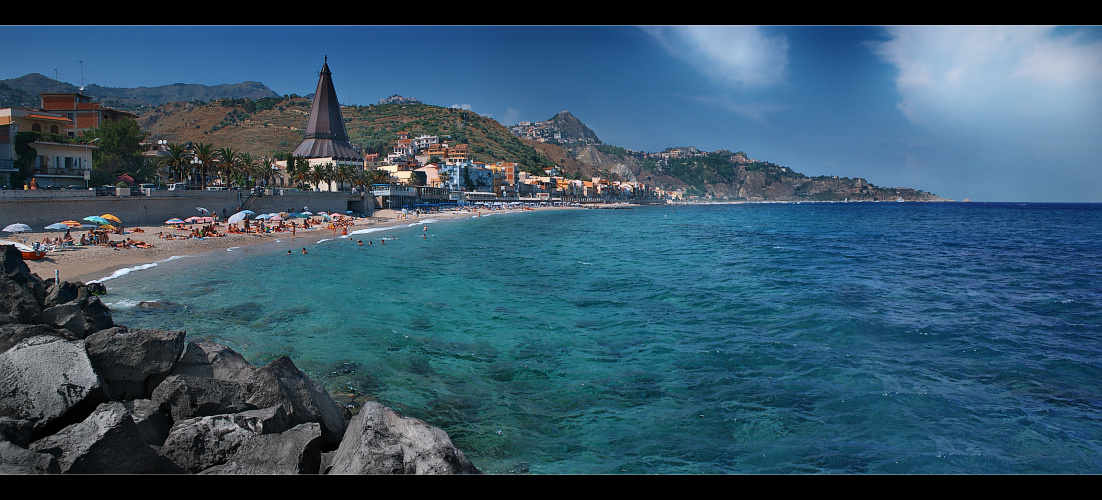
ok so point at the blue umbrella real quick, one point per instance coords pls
(57, 226)
(97, 219)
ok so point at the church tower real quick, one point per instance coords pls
(325, 134)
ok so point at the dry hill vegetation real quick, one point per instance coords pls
(274, 127)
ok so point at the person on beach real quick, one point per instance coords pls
(304, 251)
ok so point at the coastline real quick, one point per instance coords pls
(88, 264)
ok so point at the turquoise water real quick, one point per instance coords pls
(728, 339)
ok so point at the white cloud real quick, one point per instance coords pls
(738, 56)
(995, 78)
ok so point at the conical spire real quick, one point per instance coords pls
(325, 133)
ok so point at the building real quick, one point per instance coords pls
(326, 140)
(80, 110)
(59, 162)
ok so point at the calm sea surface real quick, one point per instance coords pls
(880, 338)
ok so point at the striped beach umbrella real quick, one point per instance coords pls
(71, 223)
(174, 220)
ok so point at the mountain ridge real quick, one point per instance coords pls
(274, 125)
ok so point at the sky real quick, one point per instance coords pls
(986, 113)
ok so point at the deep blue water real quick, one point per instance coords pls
(840, 338)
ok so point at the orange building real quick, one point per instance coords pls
(79, 108)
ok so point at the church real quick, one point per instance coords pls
(326, 140)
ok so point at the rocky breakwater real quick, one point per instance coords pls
(82, 395)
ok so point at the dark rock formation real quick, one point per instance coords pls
(81, 395)
(379, 441)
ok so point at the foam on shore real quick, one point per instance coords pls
(127, 270)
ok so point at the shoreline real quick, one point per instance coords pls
(89, 264)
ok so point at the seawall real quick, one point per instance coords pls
(39, 209)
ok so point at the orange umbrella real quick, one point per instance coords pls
(71, 223)
(111, 218)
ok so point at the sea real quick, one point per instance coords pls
(757, 338)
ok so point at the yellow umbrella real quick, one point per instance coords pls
(111, 217)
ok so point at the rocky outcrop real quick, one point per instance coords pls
(81, 395)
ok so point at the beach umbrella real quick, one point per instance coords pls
(193, 219)
(263, 216)
(237, 217)
(71, 223)
(174, 220)
(111, 218)
(17, 228)
(201, 209)
(96, 219)
(57, 226)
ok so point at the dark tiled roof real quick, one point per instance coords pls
(325, 133)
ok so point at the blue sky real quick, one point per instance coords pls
(990, 113)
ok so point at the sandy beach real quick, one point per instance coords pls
(90, 263)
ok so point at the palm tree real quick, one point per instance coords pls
(205, 154)
(344, 174)
(228, 162)
(247, 166)
(176, 161)
(330, 174)
(301, 174)
(317, 175)
(267, 170)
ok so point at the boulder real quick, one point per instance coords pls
(49, 381)
(18, 303)
(203, 442)
(60, 293)
(153, 423)
(18, 460)
(208, 359)
(13, 267)
(107, 442)
(281, 382)
(97, 316)
(183, 397)
(14, 333)
(68, 316)
(127, 359)
(379, 441)
(296, 451)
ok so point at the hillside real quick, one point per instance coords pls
(249, 117)
(274, 127)
(131, 99)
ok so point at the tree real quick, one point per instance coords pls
(206, 155)
(344, 174)
(118, 146)
(177, 161)
(267, 170)
(228, 163)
